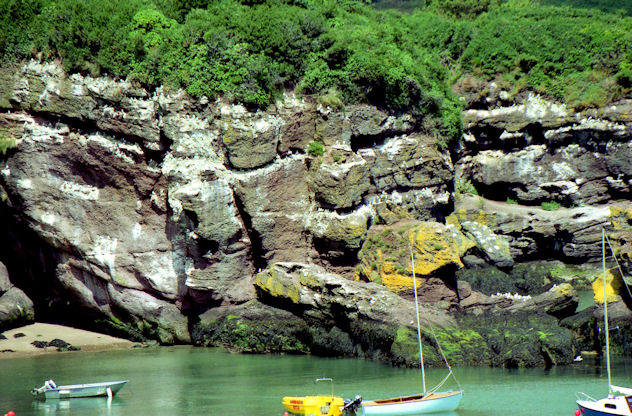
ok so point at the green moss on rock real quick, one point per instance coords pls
(253, 336)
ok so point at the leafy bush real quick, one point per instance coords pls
(552, 50)
(550, 206)
(462, 8)
(316, 149)
(250, 50)
(462, 186)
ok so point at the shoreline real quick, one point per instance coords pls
(22, 346)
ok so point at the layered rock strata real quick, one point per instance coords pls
(298, 228)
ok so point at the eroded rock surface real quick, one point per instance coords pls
(156, 213)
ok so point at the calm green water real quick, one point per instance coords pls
(201, 381)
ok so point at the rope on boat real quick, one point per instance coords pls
(445, 360)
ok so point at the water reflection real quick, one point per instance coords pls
(199, 381)
(102, 405)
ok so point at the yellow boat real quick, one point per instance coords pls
(320, 405)
(313, 405)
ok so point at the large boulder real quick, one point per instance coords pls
(437, 250)
(250, 139)
(16, 309)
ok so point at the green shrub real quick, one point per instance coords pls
(7, 143)
(340, 51)
(462, 186)
(462, 8)
(316, 149)
(331, 99)
(552, 50)
(511, 201)
(550, 206)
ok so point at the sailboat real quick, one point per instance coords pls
(429, 401)
(614, 404)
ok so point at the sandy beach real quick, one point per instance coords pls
(85, 340)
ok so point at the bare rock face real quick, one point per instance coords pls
(147, 208)
(16, 309)
(150, 206)
(539, 151)
(533, 232)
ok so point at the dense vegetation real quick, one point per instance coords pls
(346, 50)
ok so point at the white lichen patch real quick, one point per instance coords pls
(533, 108)
(505, 135)
(537, 108)
(6, 171)
(80, 191)
(136, 231)
(43, 68)
(105, 87)
(42, 133)
(278, 165)
(392, 148)
(142, 110)
(104, 251)
(196, 145)
(469, 137)
(436, 198)
(157, 269)
(48, 218)
(232, 110)
(320, 221)
(291, 101)
(128, 153)
(512, 296)
(25, 183)
(339, 170)
(189, 123)
(565, 187)
(563, 170)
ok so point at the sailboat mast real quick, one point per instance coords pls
(421, 354)
(605, 308)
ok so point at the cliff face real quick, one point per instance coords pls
(165, 217)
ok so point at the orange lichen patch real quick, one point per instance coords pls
(613, 285)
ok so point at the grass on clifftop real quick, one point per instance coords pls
(251, 50)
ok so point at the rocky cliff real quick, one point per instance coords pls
(157, 216)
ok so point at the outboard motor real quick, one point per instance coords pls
(351, 406)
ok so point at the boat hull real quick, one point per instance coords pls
(82, 390)
(413, 405)
(610, 406)
(313, 405)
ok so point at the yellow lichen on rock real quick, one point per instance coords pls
(269, 282)
(480, 216)
(613, 285)
(435, 247)
(396, 281)
(386, 253)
